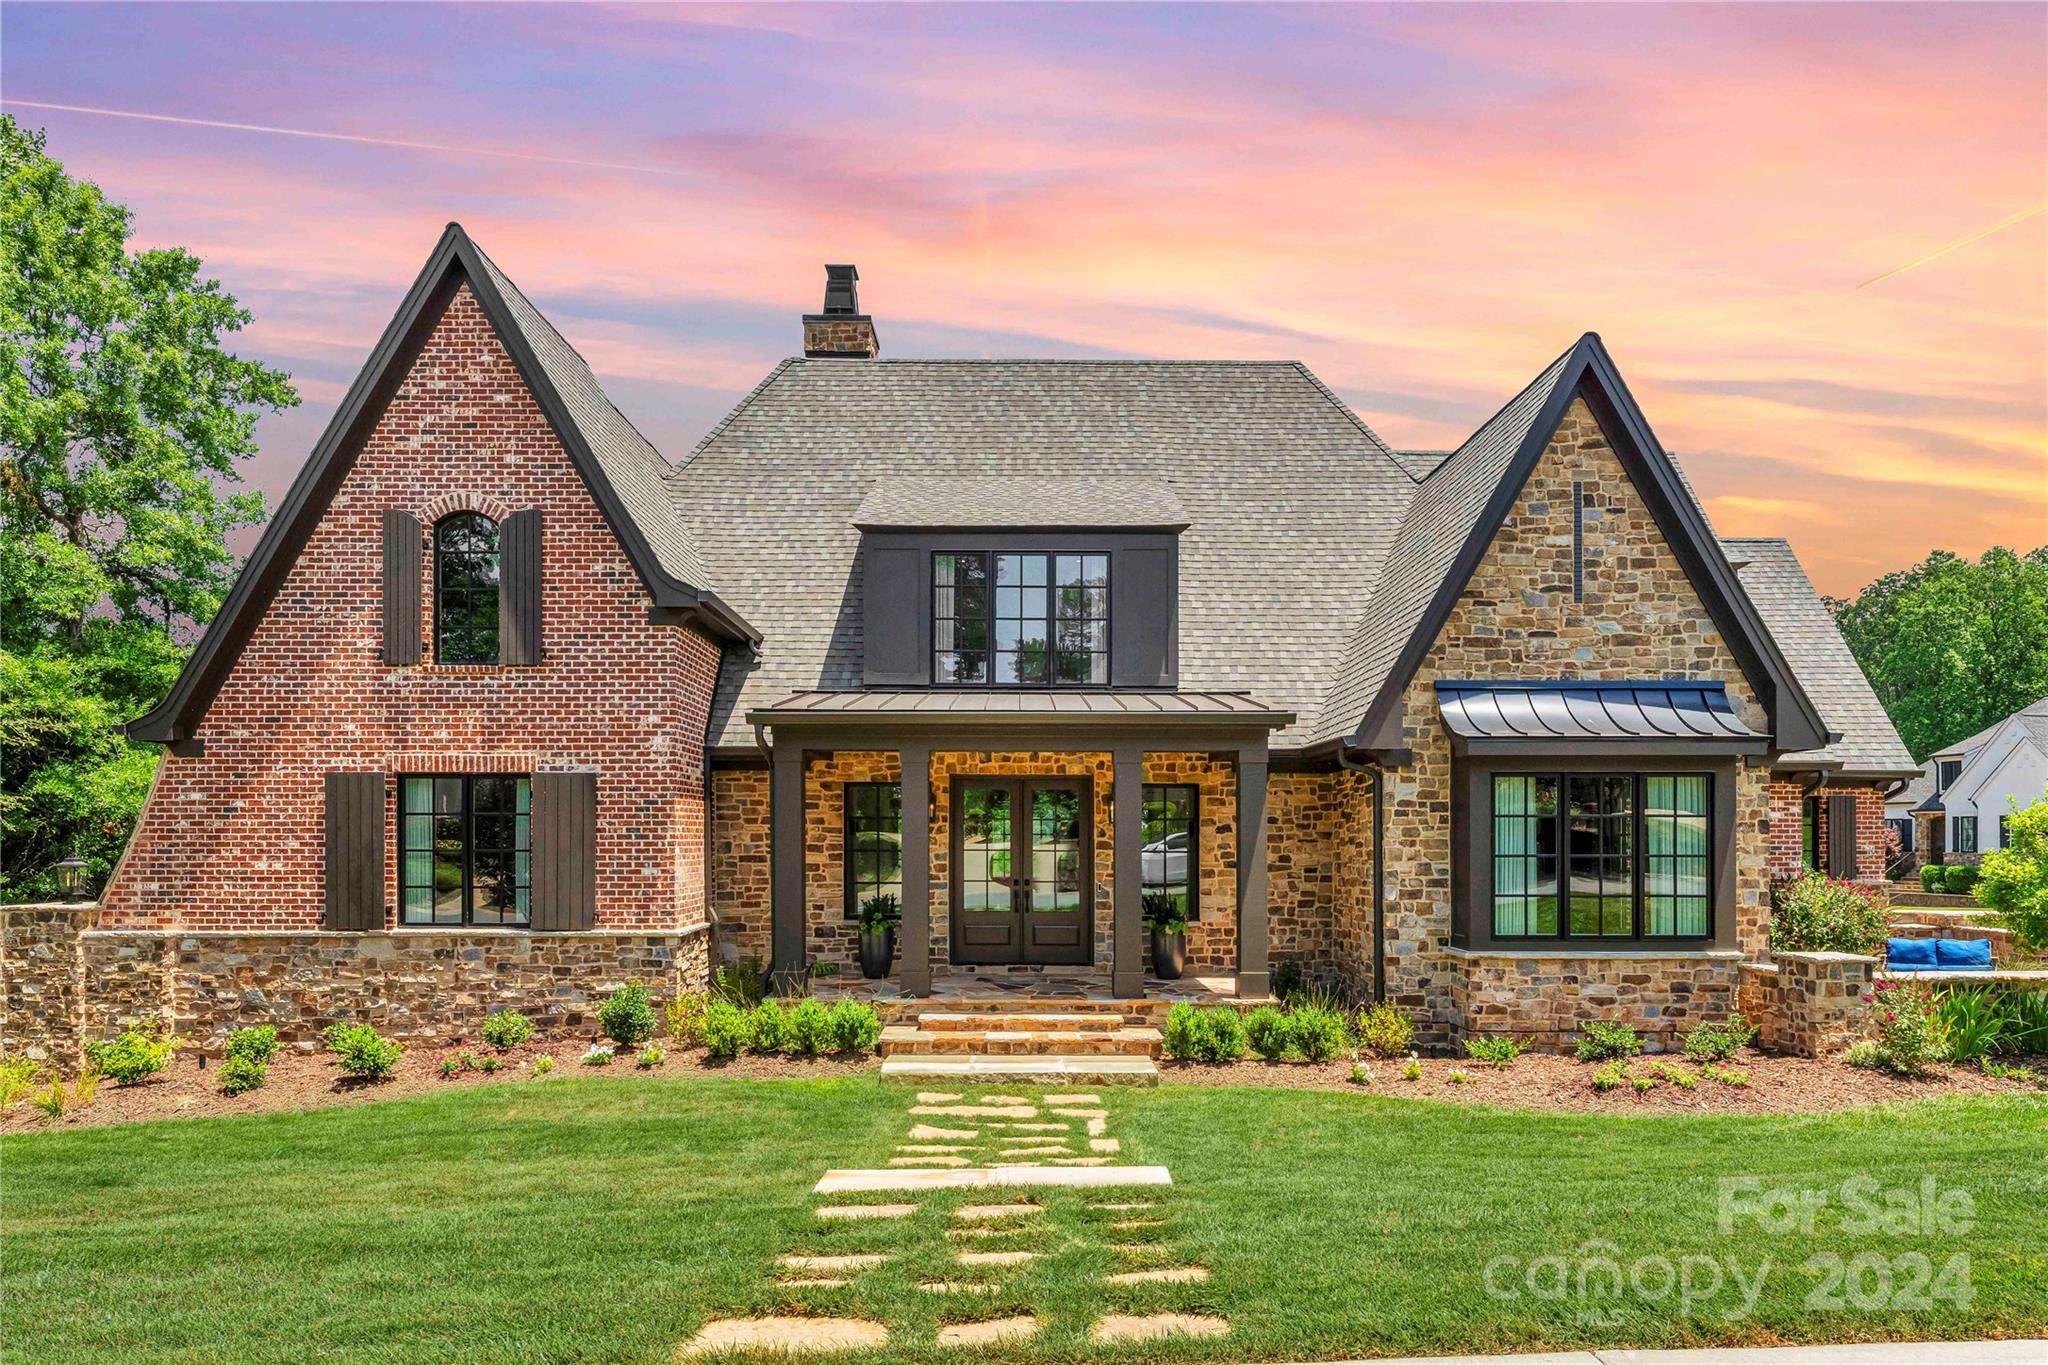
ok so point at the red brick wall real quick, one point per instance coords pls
(1786, 847)
(232, 839)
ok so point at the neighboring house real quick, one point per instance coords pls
(1502, 733)
(1961, 798)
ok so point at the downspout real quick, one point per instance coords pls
(1379, 866)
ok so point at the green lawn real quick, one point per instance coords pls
(601, 1219)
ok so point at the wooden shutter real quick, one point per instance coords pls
(519, 588)
(564, 831)
(402, 546)
(355, 851)
(1842, 835)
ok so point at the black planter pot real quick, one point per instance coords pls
(876, 953)
(1169, 954)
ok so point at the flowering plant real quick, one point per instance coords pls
(1411, 1070)
(1905, 1026)
(599, 1054)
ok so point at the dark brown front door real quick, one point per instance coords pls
(1021, 877)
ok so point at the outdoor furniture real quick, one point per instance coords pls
(1938, 955)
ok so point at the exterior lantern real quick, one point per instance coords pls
(71, 879)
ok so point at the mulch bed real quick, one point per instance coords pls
(1778, 1085)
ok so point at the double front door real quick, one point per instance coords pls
(1022, 882)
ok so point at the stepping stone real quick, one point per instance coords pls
(819, 1282)
(988, 1177)
(1005, 1099)
(989, 1332)
(928, 1161)
(1097, 1126)
(1180, 1274)
(1133, 1224)
(1134, 1248)
(929, 1148)
(1033, 1127)
(1124, 1208)
(926, 1132)
(861, 1262)
(1078, 1161)
(1073, 1099)
(791, 1335)
(978, 1213)
(1001, 1258)
(1059, 1149)
(1104, 1145)
(867, 1210)
(959, 1287)
(1124, 1327)
(935, 1097)
(976, 1111)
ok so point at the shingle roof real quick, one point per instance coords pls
(1807, 636)
(638, 473)
(2034, 717)
(1291, 503)
(1442, 513)
(962, 501)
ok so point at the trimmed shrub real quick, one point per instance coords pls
(809, 1030)
(727, 1029)
(257, 1044)
(1319, 1032)
(685, 1018)
(1930, 877)
(1269, 1032)
(507, 1029)
(1606, 1040)
(1959, 880)
(856, 1026)
(362, 1051)
(1215, 1034)
(142, 1049)
(1814, 914)
(626, 1016)
(1500, 1053)
(1385, 1030)
(238, 1074)
(1711, 1042)
(771, 1027)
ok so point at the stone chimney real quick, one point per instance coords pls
(841, 331)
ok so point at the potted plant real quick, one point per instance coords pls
(878, 916)
(1168, 917)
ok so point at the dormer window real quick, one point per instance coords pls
(466, 589)
(1019, 619)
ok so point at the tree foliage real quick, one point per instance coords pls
(1952, 646)
(2013, 880)
(122, 420)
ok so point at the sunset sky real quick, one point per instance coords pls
(1423, 203)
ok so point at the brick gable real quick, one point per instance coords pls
(232, 838)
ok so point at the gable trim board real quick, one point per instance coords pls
(1588, 373)
(455, 261)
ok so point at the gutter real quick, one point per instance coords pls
(1379, 865)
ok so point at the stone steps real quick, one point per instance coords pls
(1032, 1069)
(1902, 896)
(987, 1040)
(1038, 1021)
(1936, 914)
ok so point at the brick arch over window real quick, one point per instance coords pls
(464, 501)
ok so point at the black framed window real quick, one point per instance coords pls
(1809, 833)
(1962, 834)
(2004, 836)
(1946, 772)
(1602, 855)
(466, 589)
(874, 843)
(1020, 620)
(1169, 864)
(465, 849)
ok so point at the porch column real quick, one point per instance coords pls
(1127, 949)
(914, 976)
(1253, 977)
(786, 865)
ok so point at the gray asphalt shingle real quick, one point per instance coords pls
(968, 500)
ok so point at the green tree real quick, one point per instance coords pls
(2013, 880)
(1952, 646)
(122, 418)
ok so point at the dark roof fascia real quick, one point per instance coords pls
(983, 528)
(454, 261)
(1590, 373)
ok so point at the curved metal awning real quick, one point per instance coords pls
(1594, 717)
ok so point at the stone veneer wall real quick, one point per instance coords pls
(1309, 865)
(1808, 1004)
(741, 897)
(1543, 1000)
(428, 986)
(1638, 617)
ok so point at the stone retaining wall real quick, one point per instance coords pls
(424, 985)
(1807, 1004)
(1543, 999)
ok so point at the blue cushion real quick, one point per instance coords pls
(1961, 954)
(1910, 954)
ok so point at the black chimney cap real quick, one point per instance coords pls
(842, 295)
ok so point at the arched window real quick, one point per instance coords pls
(466, 589)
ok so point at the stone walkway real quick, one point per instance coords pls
(1058, 1145)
